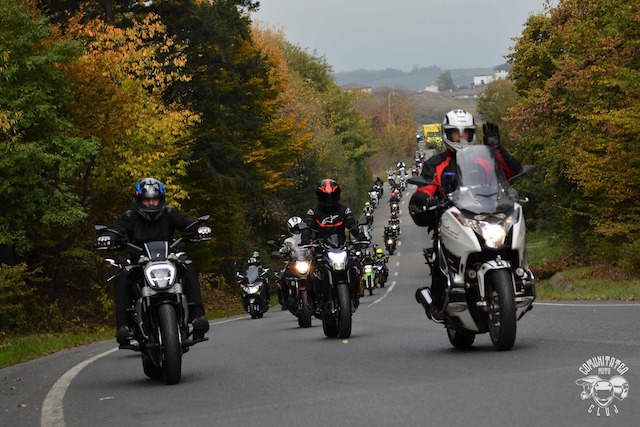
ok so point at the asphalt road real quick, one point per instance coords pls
(397, 369)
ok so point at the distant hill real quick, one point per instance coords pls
(416, 79)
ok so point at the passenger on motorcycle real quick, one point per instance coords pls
(329, 217)
(291, 243)
(152, 220)
(458, 132)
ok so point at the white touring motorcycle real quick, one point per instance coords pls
(480, 243)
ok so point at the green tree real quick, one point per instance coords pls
(576, 68)
(445, 82)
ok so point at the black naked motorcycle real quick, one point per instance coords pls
(336, 282)
(160, 317)
(390, 238)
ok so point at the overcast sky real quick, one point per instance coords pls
(402, 34)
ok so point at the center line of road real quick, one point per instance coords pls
(383, 295)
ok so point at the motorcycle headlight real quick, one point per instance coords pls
(161, 275)
(252, 289)
(338, 260)
(493, 232)
(368, 268)
(302, 267)
(390, 242)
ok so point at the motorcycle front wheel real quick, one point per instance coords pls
(171, 346)
(344, 316)
(502, 309)
(304, 321)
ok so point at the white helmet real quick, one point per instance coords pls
(458, 122)
(292, 224)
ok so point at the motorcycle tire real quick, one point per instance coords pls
(150, 369)
(171, 346)
(391, 250)
(330, 330)
(461, 339)
(304, 321)
(344, 315)
(502, 310)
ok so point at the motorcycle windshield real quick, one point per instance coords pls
(334, 241)
(252, 274)
(481, 186)
(157, 250)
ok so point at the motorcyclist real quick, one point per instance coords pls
(290, 244)
(329, 217)
(254, 259)
(367, 208)
(378, 181)
(458, 133)
(382, 260)
(152, 220)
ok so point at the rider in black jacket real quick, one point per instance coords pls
(152, 220)
(329, 216)
(326, 218)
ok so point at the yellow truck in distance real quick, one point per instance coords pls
(433, 135)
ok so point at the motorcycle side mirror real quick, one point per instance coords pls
(100, 227)
(526, 170)
(272, 243)
(277, 254)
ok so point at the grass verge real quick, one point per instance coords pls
(555, 280)
(18, 349)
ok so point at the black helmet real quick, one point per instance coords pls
(149, 188)
(328, 192)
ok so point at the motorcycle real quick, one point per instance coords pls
(480, 242)
(297, 266)
(415, 171)
(390, 239)
(394, 207)
(160, 316)
(369, 217)
(368, 274)
(373, 198)
(254, 285)
(335, 285)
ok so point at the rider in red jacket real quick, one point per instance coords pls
(458, 132)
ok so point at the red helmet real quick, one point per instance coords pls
(328, 192)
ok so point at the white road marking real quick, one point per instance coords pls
(52, 411)
(561, 304)
(389, 289)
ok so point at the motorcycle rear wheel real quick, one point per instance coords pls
(149, 368)
(461, 339)
(171, 346)
(502, 310)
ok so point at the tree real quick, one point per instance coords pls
(445, 82)
(576, 68)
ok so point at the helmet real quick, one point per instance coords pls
(145, 189)
(328, 192)
(256, 255)
(292, 224)
(379, 253)
(458, 122)
(367, 204)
